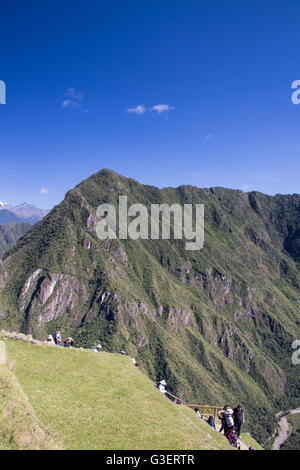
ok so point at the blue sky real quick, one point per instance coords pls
(86, 81)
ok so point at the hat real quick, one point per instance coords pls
(50, 336)
(163, 382)
(99, 346)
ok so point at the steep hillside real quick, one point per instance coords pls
(217, 323)
(11, 232)
(74, 399)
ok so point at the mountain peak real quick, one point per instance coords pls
(25, 212)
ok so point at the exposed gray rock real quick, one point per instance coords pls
(91, 223)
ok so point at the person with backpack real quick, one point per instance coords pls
(57, 337)
(226, 417)
(238, 418)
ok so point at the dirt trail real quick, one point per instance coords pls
(283, 428)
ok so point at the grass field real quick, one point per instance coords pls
(78, 399)
(250, 442)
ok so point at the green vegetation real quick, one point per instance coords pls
(293, 442)
(20, 429)
(217, 324)
(10, 232)
(78, 399)
(250, 442)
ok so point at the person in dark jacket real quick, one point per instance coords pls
(69, 343)
(239, 419)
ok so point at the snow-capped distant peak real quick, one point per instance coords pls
(2, 204)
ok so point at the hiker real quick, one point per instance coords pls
(232, 438)
(226, 418)
(211, 422)
(57, 337)
(69, 343)
(198, 413)
(98, 348)
(50, 340)
(162, 387)
(239, 419)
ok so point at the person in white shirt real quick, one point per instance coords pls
(162, 387)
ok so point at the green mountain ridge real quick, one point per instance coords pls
(217, 323)
(10, 232)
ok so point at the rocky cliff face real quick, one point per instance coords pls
(217, 324)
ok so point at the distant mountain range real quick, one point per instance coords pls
(15, 221)
(22, 213)
(10, 233)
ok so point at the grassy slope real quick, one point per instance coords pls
(94, 401)
(19, 426)
(250, 442)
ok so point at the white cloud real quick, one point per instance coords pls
(75, 95)
(139, 109)
(66, 103)
(74, 99)
(45, 191)
(162, 108)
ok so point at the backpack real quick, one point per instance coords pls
(228, 419)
